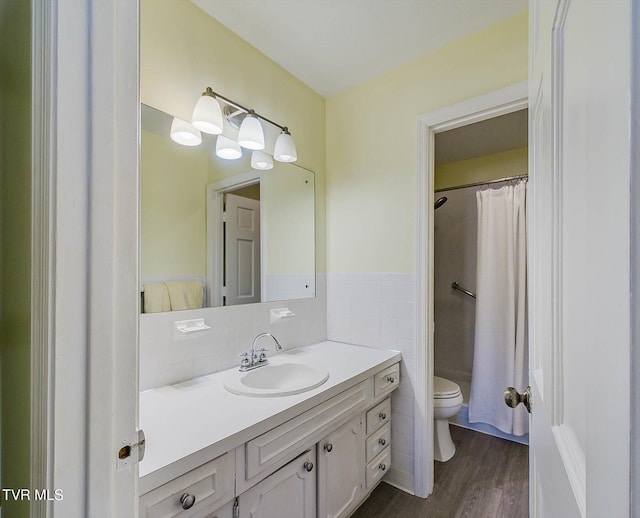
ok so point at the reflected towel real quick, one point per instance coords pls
(185, 294)
(156, 298)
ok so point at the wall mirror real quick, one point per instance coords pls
(216, 232)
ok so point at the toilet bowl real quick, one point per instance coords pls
(447, 401)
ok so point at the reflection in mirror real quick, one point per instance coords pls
(216, 232)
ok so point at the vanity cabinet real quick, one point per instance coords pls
(290, 492)
(341, 470)
(319, 463)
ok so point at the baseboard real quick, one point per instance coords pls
(461, 419)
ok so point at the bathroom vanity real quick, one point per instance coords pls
(213, 453)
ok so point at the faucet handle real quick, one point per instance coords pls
(262, 355)
(245, 362)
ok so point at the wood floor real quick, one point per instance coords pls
(487, 478)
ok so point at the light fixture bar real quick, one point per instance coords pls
(209, 91)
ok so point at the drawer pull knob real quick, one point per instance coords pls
(383, 441)
(382, 466)
(390, 379)
(382, 415)
(187, 500)
(328, 447)
(308, 466)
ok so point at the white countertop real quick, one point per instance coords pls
(190, 423)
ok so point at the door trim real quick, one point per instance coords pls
(635, 259)
(85, 255)
(42, 239)
(500, 102)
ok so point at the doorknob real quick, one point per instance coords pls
(513, 398)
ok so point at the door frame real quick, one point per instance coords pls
(500, 102)
(84, 267)
(215, 235)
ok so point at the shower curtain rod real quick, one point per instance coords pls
(508, 178)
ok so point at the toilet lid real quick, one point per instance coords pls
(443, 388)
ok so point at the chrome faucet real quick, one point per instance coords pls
(257, 357)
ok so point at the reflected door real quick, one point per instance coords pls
(242, 250)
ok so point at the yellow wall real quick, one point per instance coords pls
(482, 169)
(15, 247)
(173, 181)
(183, 50)
(372, 143)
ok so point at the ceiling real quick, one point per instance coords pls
(487, 137)
(332, 45)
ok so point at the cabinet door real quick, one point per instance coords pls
(341, 470)
(289, 493)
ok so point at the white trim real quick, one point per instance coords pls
(635, 260)
(494, 104)
(42, 257)
(575, 463)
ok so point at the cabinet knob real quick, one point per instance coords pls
(382, 415)
(308, 466)
(187, 500)
(328, 447)
(382, 466)
(383, 441)
(390, 379)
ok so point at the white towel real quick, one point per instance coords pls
(185, 294)
(156, 298)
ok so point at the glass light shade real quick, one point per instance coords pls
(184, 133)
(261, 161)
(207, 115)
(251, 135)
(227, 148)
(285, 149)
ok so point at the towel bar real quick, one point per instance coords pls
(456, 286)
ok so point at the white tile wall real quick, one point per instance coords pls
(168, 356)
(379, 310)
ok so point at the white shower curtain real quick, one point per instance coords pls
(500, 351)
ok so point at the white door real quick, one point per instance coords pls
(341, 470)
(289, 493)
(242, 250)
(579, 92)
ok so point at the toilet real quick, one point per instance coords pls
(447, 401)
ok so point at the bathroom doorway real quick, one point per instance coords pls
(455, 117)
(481, 166)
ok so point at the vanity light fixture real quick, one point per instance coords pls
(184, 133)
(261, 161)
(227, 148)
(285, 150)
(208, 115)
(251, 135)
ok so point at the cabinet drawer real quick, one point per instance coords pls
(378, 415)
(387, 380)
(276, 447)
(211, 484)
(378, 441)
(378, 467)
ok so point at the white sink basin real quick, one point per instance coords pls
(277, 379)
